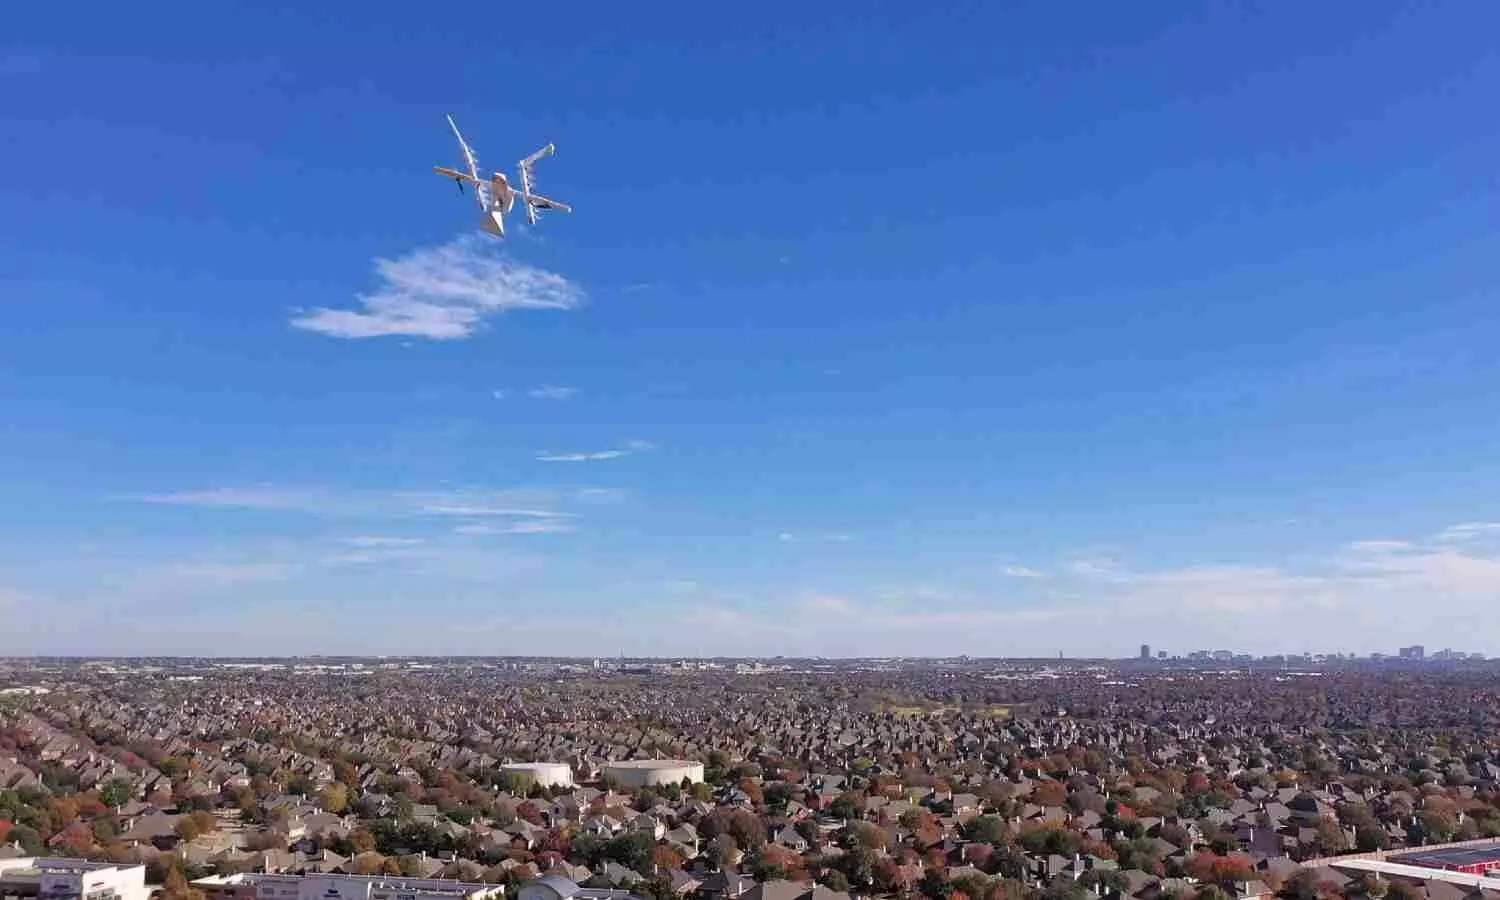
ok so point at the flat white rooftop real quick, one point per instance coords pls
(1420, 873)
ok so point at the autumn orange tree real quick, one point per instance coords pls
(666, 857)
(1224, 871)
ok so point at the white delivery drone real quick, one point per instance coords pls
(496, 196)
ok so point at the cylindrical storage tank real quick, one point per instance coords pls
(546, 774)
(644, 772)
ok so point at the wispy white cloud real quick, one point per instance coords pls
(443, 293)
(582, 457)
(602, 494)
(594, 456)
(498, 393)
(475, 511)
(225, 574)
(1014, 571)
(255, 497)
(334, 502)
(1364, 596)
(552, 392)
(532, 526)
(789, 537)
(1468, 531)
(375, 540)
(827, 603)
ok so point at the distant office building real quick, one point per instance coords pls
(260, 886)
(1161, 654)
(71, 879)
(1145, 652)
(1468, 860)
(1415, 651)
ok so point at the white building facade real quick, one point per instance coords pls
(58, 878)
(258, 886)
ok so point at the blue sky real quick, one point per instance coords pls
(998, 328)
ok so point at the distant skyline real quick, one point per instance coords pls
(995, 329)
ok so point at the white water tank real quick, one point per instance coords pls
(546, 774)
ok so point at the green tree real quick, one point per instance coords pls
(632, 850)
(116, 793)
(1371, 837)
(989, 829)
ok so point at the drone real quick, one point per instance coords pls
(496, 196)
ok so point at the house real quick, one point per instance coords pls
(789, 838)
(726, 885)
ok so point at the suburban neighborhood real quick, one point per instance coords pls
(803, 780)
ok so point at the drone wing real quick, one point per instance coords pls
(481, 190)
(537, 201)
(454, 174)
(528, 183)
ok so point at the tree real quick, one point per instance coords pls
(726, 851)
(205, 822)
(747, 829)
(752, 790)
(1224, 871)
(1111, 880)
(848, 805)
(412, 866)
(187, 829)
(632, 850)
(1302, 885)
(1050, 793)
(1063, 888)
(116, 793)
(29, 839)
(835, 880)
(864, 834)
(1371, 837)
(777, 794)
(989, 829)
(362, 840)
(1331, 838)
(665, 857)
(77, 838)
(334, 798)
(858, 865)
(177, 887)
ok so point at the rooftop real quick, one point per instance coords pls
(35, 865)
(428, 885)
(1451, 857)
